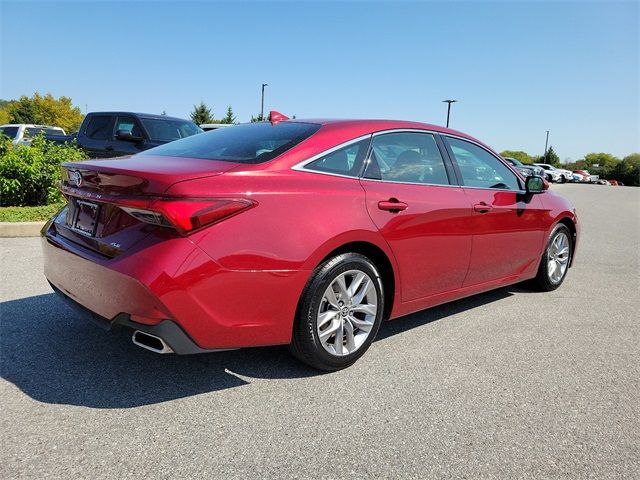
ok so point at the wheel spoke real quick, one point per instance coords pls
(364, 290)
(363, 325)
(367, 308)
(333, 328)
(348, 332)
(337, 343)
(355, 283)
(325, 317)
(330, 296)
(342, 288)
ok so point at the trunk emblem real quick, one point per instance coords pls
(75, 178)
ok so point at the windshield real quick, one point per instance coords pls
(245, 143)
(165, 130)
(515, 162)
(10, 131)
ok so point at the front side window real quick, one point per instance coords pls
(246, 143)
(344, 161)
(406, 157)
(128, 124)
(480, 169)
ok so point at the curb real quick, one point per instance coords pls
(20, 229)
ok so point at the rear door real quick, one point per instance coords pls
(97, 134)
(413, 200)
(506, 222)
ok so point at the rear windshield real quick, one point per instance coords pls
(10, 131)
(245, 143)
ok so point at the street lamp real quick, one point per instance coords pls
(546, 143)
(262, 102)
(449, 102)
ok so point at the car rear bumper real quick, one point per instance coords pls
(167, 330)
(172, 288)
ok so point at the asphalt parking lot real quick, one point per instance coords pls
(507, 384)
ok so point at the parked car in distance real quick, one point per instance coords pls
(586, 176)
(307, 233)
(526, 170)
(113, 134)
(554, 174)
(213, 126)
(613, 183)
(23, 133)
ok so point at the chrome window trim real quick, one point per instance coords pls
(364, 179)
(300, 167)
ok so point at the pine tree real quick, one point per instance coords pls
(230, 117)
(201, 114)
(552, 157)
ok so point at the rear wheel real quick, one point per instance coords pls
(339, 313)
(555, 261)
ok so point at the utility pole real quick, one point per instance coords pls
(449, 102)
(546, 143)
(262, 102)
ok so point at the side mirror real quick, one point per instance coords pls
(126, 136)
(535, 184)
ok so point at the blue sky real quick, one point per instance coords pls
(518, 68)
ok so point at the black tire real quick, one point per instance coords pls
(306, 344)
(542, 280)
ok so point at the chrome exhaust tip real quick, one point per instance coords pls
(150, 342)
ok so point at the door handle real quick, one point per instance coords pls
(482, 207)
(392, 205)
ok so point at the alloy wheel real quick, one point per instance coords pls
(558, 257)
(347, 312)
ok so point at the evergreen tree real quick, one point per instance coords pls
(201, 114)
(552, 157)
(230, 117)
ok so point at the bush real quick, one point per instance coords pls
(29, 175)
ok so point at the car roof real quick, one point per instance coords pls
(153, 116)
(364, 126)
(30, 125)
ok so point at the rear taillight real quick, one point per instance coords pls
(186, 215)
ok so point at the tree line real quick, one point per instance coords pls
(60, 112)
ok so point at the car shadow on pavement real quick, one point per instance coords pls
(56, 358)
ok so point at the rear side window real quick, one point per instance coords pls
(98, 128)
(245, 143)
(480, 169)
(408, 158)
(10, 132)
(343, 161)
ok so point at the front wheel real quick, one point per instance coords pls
(339, 314)
(555, 260)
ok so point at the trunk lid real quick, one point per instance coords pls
(97, 189)
(136, 175)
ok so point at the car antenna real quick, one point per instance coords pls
(276, 117)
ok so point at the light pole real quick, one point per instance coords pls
(449, 102)
(262, 102)
(546, 143)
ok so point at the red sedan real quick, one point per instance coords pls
(301, 232)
